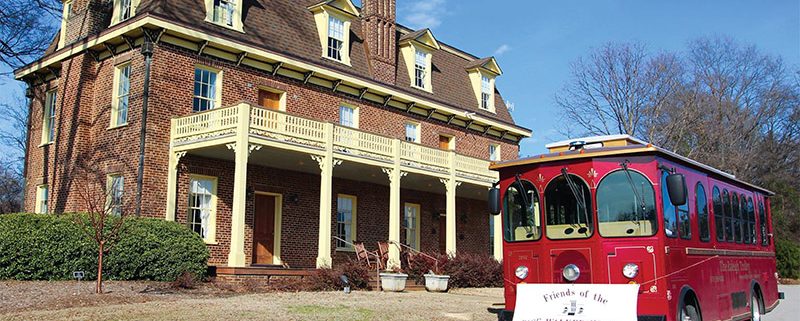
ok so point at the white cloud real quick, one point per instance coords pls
(420, 14)
(502, 49)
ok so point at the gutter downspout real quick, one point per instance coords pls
(147, 52)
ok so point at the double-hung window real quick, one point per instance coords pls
(49, 118)
(412, 132)
(335, 38)
(122, 91)
(224, 11)
(346, 213)
(420, 69)
(125, 11)
(411, 225)
(348, 117)
(115, 190)
(486, 92)
(206, 89)
(42, 194)
(202, 207)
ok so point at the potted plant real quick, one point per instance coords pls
(394, 281)
(435, 281)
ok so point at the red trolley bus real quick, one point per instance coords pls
(616, 210)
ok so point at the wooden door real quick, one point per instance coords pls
(442, 234)
(264, 229)
(269, 100)
(444, 142)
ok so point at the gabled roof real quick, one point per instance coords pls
(488, 64)
(345, 6)
(424, 36)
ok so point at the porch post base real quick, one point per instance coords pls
(236, 259)
(324, 262)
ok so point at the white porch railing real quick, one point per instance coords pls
(298, 130)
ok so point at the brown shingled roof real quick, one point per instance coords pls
(288, 27)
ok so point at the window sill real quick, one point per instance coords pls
(211, 242)
(422, 88)
(346, 63)
(239, 29)
(117, 126)
(46, 144)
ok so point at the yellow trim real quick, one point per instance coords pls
(343, 6)
(238, 24)
(426, 38)
(350, 80)
(115, 95)
(47, 124)
(217, 85)
(211, 236)
(38, 205)
(353, 220)
(115, 12)
(62, 35)
(418, 212)
(322, 15)
(409, 53)
(276, 251)
(476, 78)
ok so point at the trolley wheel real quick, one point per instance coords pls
(689, 313)
(756, 310)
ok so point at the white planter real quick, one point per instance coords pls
(393, 282)
(436, 283)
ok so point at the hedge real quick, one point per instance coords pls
(51, 247)
(788, 255)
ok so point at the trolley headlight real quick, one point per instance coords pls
(571, 272)
(521, 272)
(630, 270)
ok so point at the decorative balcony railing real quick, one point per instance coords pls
(282, 127)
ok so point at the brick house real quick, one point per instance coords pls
(273, 128)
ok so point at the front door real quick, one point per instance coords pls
(264, 229)
(269, 100)
(444, 142)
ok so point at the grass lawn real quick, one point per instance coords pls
(157, 301)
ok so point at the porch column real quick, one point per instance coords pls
(172, 183)
(497, 243)
(450, 215)
(241, 148)
(395, 175)
(326, 165)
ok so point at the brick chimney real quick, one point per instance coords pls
(88, 17)
(379, 29)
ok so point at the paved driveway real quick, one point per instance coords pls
(789, 308)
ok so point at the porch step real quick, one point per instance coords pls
(411, 286)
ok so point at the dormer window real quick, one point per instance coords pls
(333, 25)
(62, 35)
(482, 74)
(123, 10)
(420, 69)
(335, 38)
(226, 13)
(417, 49)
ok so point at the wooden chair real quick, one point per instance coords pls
(383, 254)
(363, 255)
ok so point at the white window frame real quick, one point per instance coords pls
(352, 121)
(42, 197)
(120, 101)
(214, 102)
(49, 117)
(336, 36)
(210, 228)
(235, 15)
(118, 14)
(417, 132)
(486, 92)
(412, 232)
(115, 190)
(353, 201)
(494, 152)
(421, 70)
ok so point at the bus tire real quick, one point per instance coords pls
(756, 306)
(689, 313)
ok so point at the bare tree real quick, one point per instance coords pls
(106, 211)
(27, 27)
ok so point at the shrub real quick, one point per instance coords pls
(330, 279)
(424, 264)
(788, 257)
(51, 247)
(465, 270)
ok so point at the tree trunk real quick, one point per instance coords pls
(99, 286)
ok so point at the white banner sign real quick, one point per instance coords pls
(576, 302)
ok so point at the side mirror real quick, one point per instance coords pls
(494, 200)
(676, 187)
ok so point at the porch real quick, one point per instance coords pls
(251, 138)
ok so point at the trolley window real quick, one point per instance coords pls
(626, 205)
(751, 222)
(521, 223)
(701, 206)
(669, 210)
(726, 202)
(763, 221)
(737, 217)
(719, 215)
(568, 205)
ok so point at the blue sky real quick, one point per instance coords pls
(536, 41)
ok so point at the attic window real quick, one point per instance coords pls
(483, 74)
(486, 92)
(417, 49)
(123, 10)
(226, 13)
(420, 68)
(335, 38)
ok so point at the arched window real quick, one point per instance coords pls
(719, 215)
(751, 222)
(669, 210)
(567, 218)
(626, 205)
(737, 218)
(701, 206)
(521, 224)
(726, 202)
(763, 221)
